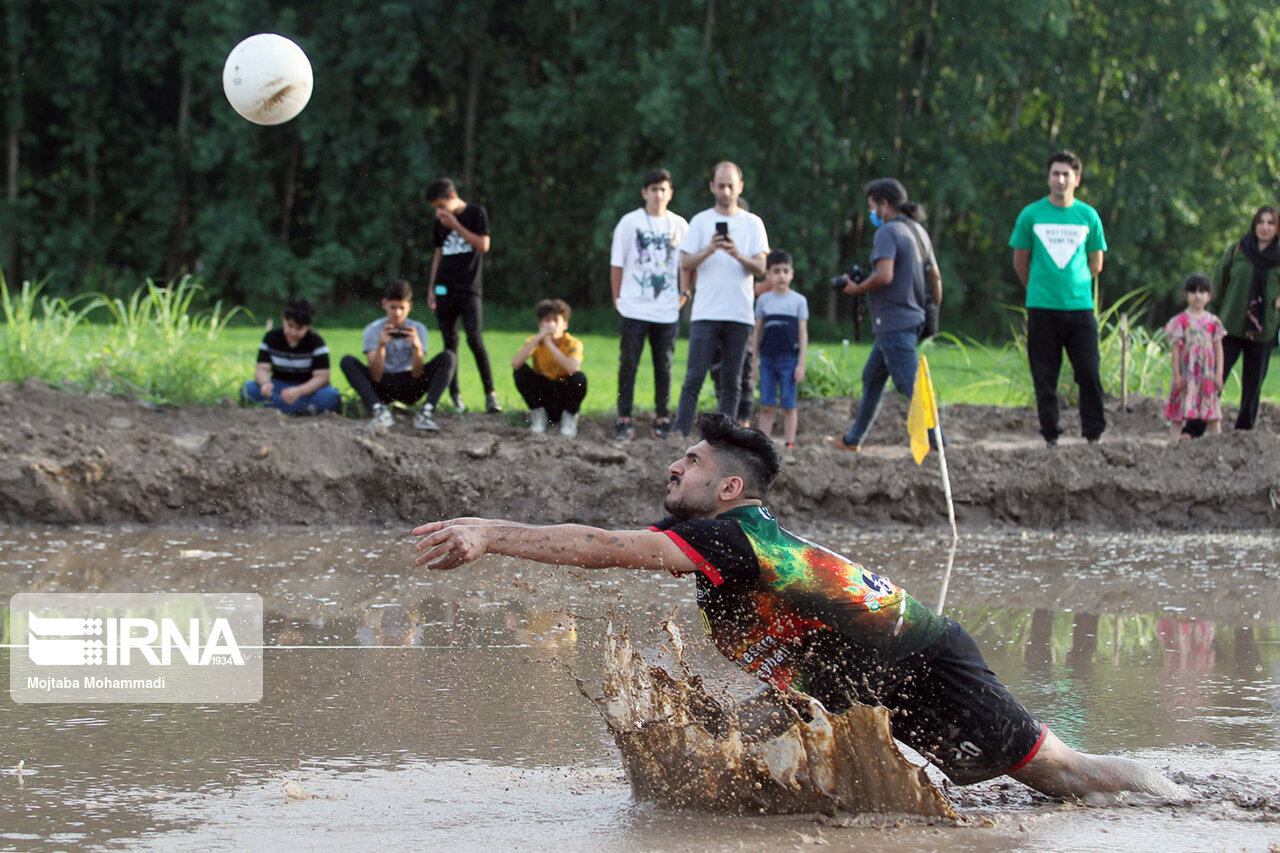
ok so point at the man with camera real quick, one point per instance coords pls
(903, 264)
(727, 247)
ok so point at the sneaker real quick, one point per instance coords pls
(1050, 443)
(837, 441)
(538, 420)
(381, 416)
(623, 431)
(458, 405)
(791, 445)
(569, 424)
(661, 427)
(491, 404)
(424, 420)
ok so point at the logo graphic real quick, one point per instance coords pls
(1061, 241)
(47, 647)
(145, 647)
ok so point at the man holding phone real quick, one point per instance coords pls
(726, 248)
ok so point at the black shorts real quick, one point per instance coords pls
(947, 705)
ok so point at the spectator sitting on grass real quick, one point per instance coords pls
(396, 347)
(554, 386)
(292, 373)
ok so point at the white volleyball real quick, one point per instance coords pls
(267, 79)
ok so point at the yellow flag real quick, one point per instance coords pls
(920, 418)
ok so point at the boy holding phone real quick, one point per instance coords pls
(395, 347)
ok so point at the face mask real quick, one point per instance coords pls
(876, 220)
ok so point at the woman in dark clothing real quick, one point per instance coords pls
(1249, 306)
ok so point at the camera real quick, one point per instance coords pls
(854, 272)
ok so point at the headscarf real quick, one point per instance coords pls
(1263, 260)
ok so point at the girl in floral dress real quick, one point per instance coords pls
(1196, 384)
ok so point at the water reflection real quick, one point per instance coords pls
(1120, 643)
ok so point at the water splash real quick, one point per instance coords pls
(682, 748)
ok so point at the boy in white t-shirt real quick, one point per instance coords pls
(649, 289)
(780, 345)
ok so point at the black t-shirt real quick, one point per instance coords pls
(293, 364)
(461, 266)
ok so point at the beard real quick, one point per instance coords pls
(701, 504)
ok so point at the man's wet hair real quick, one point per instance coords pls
(655, 176)
(299, 311)
(398, 290)
(1068, 157)
(440, 188)
(1197, 282)
(778, 256)
(741, 451)
(552, 307)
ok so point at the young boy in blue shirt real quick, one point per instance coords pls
(780, 344)
(397, 369)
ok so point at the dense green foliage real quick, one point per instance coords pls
(126, 162)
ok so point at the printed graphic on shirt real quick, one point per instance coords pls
(455, 245)
(1061, 241)
(654, 257)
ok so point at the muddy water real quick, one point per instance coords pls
(441, 710)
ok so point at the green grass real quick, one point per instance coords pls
(162, 346)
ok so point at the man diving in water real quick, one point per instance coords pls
(807, 620)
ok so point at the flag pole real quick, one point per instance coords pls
(936, 430)
(923, 425)
(946, 577)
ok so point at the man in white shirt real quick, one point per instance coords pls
(649, 289)
(727, 247)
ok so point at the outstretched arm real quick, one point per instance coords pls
(449, 544)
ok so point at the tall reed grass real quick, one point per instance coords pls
(155, 345)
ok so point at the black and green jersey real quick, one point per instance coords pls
(794, 613)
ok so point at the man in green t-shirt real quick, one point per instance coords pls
(1057, 253)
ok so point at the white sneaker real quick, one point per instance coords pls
(424, 420)
(381, 416)
(569, 424)
(538, 420)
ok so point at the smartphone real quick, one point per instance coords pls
(399, 333)
(722, 228)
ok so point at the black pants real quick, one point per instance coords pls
(662, 347)
(557, 396)
(400, 387)
(705, 338)
(1255, 357)
(1049, 332)
(448, 309)
(746, 385)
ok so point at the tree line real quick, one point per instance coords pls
(124, 160)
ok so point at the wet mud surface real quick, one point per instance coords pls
(441, 710)
(69, 459)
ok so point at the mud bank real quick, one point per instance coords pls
(70, 459)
